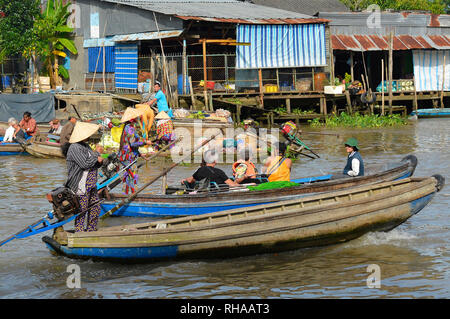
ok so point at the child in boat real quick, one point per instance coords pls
(244, 171)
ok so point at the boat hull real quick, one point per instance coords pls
(39, 146)
(313, 221)
(432, 113)
(7, 149)
(183, 205)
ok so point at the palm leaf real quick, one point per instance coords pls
(64, 29)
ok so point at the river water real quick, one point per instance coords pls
(413, 258)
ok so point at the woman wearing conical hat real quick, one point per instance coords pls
(130, 141)
(82, 165)
(164, 129)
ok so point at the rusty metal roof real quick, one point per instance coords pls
(359, 42)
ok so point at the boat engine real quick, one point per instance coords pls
(65, 202)
(110, 165)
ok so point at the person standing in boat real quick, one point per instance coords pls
(65, 134)
(82, 166)
(160, 99)
(277, 166)
(209, 171)
(355, 164)
(28, 125)
(130, 141)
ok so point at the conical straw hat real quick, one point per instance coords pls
(162, 116)
(82, 131)
(131, 113)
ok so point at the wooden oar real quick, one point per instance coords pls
(163, 149)
(164, 172)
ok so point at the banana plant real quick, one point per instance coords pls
(55, 36)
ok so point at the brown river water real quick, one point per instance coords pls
(413, 258)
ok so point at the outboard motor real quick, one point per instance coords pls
(110, 165)
(65, 202)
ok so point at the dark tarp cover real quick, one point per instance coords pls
(41, 106)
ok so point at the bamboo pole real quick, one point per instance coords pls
(391, 48)
(415, 95)
(443, 83)
(382, 86)
(205, 76)
(165, 70)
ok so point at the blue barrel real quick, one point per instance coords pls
(6, 80)
(180, 85)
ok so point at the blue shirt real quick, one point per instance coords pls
(162, 103)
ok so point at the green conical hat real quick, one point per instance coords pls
(353, 142)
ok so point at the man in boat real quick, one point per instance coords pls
(160, 100)
(277, 166)
(355, 164)
(82, 165)
(28, 125)
(65, 134)
(209, 171)
(11, 130)
(55, 127)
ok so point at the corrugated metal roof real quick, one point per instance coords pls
(360, 42)
(310, 7)
(147, 36)
(230, 11)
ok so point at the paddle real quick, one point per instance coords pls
(164, 172)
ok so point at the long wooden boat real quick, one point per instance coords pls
(316, 220)
(436, 112)
(42, 146)
(149, 205)
(11, 149)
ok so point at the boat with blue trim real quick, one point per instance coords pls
(435, 112)
(151, 205)
(315, 220)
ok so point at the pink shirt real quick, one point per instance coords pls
(29, 127)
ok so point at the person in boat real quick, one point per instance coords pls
(82, 166)
(65, 134)
(209, 171)
(10, 132)
(28, 125)
(277, 166)
(244, 171)
(130, 141)
(164, 129)
(55, 127)
(148, 118)
(160, 100)
(355, 164)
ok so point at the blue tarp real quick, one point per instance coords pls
(41, 106)
(280, 46)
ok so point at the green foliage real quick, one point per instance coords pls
(16, 27)
(360, 121)
(434, 6)
(52, 34)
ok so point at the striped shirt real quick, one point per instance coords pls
(80, 160)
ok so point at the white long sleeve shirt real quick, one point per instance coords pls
(9, 134)
(355, 166)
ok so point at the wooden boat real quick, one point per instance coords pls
(149, 205)
(43, 146)
(436, 112)
(316, 220)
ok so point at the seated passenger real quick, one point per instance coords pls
(28, 125)
(11, 130)
(244, 171)
(215, 175)
(278, 167)
(55, 127)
